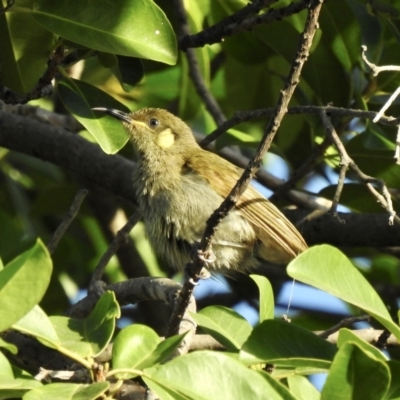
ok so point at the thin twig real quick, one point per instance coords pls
(194, 70)
(293, 79)
(338, 192)
(375, 69)
(384, 199)
(72, 213)
(244, 116)
(121, 237)
(397, 150)
(391, 99)
(342, 324)
(42, 88)
(382, 340)
(233, 24)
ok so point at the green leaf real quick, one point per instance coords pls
(13, 381)
(302, 388)
(355, 196)
(88, 337)
(266, 297)
(224, 325)
(23, 283)
(394, 389)
(129, 71)
(5, 367)
(36, 323)
(282, 343)
(341, 30)
(382, 8)
(68, 391)
(164, 349)
(107, 60)
(346, 335)
(166, 393)
(133, 28)
(355, 374)
(79, 98)
(243, 46)
(375, 138)
(222, 377)
(132, 347)
(24, 48)
(328, 269)
(317, 81)
(15, 388)
(9, 347)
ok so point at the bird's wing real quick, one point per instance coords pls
(281, 241)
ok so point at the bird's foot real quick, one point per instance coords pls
(191, 275)
(206, 256)
(191, 272)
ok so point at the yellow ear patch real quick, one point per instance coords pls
(165, 138)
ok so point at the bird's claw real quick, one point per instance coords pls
(190, 276)
(206, 256)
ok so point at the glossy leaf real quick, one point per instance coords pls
(9, 347)
(266, 297)
(23, 282)
(282, 343)
(226, 379)
(13, 382)
(129, 72)
(24, 48)
(346, 335)
(88, 337)
(394, 389)
(355, 374)
(225, 325)
(79, 98)
(328, 269)
(36, 323)
(70, 391)
(340, 30)
(133, 28)
(133, 345)
(302, 388)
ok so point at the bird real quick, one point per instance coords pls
(179, 185)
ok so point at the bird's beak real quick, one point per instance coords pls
(122, 116)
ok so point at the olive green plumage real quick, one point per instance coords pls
(179, 185)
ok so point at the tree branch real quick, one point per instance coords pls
(237, 23)
(72, 212)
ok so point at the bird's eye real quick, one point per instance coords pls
(154, 122)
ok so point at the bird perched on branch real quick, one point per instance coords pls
(179, 185)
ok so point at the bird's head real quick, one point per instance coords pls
(155, 131)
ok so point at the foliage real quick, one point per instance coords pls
(125, 56)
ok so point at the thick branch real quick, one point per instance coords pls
(69, 151)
